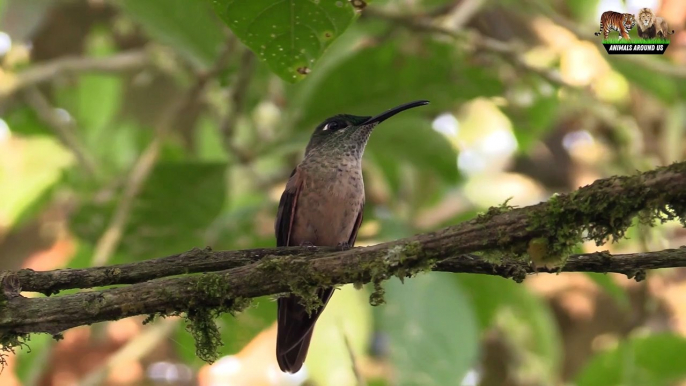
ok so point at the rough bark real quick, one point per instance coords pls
(508, 237)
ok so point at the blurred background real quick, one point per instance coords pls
(135, 129)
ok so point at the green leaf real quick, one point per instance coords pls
(288, 35)
(94, 99)
(99, 98)
(39, 204)
(209, 141)
(370, 80)
(411, 138)
(185, 25)
(659, 85)
(23, 120)
(583, 10)
(34, 357)
(530, 123)
(31, 172)
(347, 316)
(177, 204)
(179, 201)
(605, 282)
(652, 360)
(122, 147)
(388, 166)
(98, 95)
(524, 318)
(432, 329)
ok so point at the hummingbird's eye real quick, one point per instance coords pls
(333, 126)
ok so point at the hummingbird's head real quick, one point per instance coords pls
(351, 131)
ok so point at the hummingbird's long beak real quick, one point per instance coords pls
(389, 113)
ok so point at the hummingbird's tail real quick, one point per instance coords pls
(295, 327)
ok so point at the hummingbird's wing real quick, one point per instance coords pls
(295, 324)
(286, 213)
(358, 222)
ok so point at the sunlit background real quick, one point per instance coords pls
(93, 91)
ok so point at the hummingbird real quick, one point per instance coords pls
(322, 206)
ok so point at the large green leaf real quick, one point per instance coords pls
(525, 319)
(177, 204)
(27, 170)
(40, 179)
(412, 139)
(179, 201)
(370, 80)
(24, 121)
(655, 360)
(289, 35)
(186, 25)
(347, 317)
(432, 329)
(99, 95)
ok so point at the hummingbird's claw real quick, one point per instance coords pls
(308, 245)
(344, 246)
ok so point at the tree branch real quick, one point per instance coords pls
(601, 211)
(237, 95)
(40, 73)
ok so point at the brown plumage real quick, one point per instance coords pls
(322, 206)
(296, 225)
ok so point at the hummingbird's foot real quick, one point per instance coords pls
(308, 245)
(344, 246)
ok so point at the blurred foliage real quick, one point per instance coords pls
(184, 25)
(506, 129)
(638, 361)
(426, 349)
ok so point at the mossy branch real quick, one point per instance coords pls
(508, 238)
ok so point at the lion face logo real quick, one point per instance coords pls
(646, 17)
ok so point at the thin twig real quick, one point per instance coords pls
(109, 241)
(353, 359)
(462, 12)
(39, 73)
(61, 127)
(237, 98)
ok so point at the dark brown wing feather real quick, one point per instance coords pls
(286, 213)
(295, 325)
